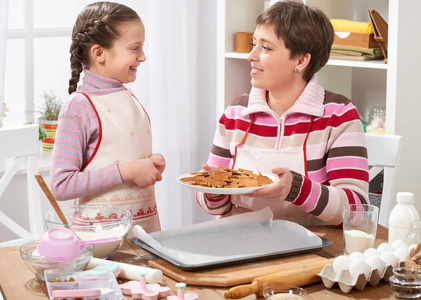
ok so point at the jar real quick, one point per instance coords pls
(402, 216)
(406, 283)
(377, 120)
(414, 235)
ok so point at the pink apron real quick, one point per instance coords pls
(263, 160)
(121, 115)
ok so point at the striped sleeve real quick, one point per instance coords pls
(75, 141)
(221, 155)
(340, 177)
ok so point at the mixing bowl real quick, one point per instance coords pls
(91, 222)
(37, 264)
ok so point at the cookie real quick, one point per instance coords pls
(227, 178)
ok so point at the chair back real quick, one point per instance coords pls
(383, 155)
(19, 152)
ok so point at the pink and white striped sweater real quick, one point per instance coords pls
(76, 138)
(336, 153)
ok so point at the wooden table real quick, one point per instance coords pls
(17, 282)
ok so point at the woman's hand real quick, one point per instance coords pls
(208, 168)
(159, 162)
(141, 172)
(280, 188)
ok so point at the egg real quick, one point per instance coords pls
(385, 247)
(371, 252)
(355, 255)
(342, 262)
(389, 259)
(357, 267)
(375, 263)
(401, 253)
(398, 244)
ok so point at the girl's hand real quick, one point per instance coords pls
(281, 187)
(159, 161)
(141, 172)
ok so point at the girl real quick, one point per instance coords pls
(312, 139)
(103, 147)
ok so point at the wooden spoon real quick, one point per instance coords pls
(53, 201)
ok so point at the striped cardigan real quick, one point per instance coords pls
(76, 138)
(336, 154)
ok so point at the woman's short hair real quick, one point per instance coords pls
(303, 29)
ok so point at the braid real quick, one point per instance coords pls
(76, 69)
(97, 24)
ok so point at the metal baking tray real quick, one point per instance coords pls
(229, 262)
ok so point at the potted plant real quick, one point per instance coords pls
(49, 111)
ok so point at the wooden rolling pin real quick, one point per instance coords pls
(298, 277)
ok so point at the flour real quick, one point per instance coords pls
(357, 241)
(104, 250)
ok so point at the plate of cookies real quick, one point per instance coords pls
(226, 181)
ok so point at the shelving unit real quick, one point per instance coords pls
(367, 84)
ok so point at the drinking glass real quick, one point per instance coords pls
(359, 227)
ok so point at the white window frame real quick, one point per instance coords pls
(28, 34)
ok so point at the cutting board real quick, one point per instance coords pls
(235, 274)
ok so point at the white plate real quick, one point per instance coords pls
(222, 191)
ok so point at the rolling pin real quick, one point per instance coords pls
(129, 271)
(298, 277)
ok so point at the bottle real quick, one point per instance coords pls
(402, 216)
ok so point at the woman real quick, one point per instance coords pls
(310, 138)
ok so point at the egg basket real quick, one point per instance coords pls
(347, 282)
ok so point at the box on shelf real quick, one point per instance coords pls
(354, 39)
(243, 42)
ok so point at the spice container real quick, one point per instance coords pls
(406, 283)
(273, 292)
(377, 120)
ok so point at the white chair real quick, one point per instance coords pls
(383, 154)
(20, 148)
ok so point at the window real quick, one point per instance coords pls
(37, 54)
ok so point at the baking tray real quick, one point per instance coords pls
(229, 262)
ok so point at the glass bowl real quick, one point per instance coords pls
(37, 264)
(406, 282)
(273, 292)
(91, 222)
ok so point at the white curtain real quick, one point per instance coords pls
(4, 9)
(177, 87)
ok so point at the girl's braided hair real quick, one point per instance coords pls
(98, 23)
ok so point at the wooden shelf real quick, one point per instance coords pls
(376, 64)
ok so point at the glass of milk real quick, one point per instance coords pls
(360, 227)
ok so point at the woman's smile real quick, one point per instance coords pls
(255, 71)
